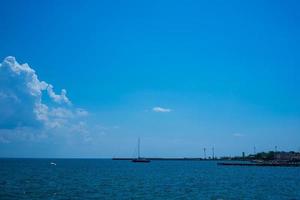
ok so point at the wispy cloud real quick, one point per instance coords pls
(160, 109)
(238, 135)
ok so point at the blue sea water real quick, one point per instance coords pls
(108, 179)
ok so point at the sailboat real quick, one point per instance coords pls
(139, 158)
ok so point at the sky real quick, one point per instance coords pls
(181, 75)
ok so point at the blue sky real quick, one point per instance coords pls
(220, 74)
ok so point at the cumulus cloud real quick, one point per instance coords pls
(160, 109)
(62, 98)
(21, 99)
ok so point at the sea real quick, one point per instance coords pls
(120, 179)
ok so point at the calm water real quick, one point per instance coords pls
(107, 179)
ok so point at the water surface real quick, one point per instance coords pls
(108, 179)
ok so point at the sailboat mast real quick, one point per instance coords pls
(139, 147)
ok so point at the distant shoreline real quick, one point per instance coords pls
(177, 159)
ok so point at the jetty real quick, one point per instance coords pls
(167, 159)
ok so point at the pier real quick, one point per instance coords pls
(170, 159)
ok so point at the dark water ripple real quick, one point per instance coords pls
(107, 179)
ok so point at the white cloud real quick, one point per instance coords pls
(30, 110)
(81, 112)
(160, 109)
(61, 113)
(62, 98)
(21, 99)
(238, 135)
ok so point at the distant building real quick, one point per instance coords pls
(287, 156)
